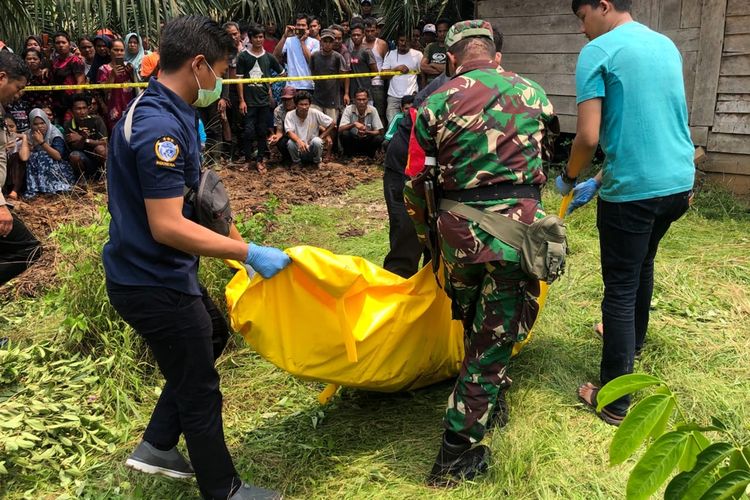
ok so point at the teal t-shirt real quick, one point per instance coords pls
(644, 131)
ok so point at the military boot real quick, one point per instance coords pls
(500, 413)
(456, 462)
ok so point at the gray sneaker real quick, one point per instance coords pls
(151, 460)
(250, 492)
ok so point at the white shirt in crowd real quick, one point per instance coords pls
(403, 84)
(309, 128)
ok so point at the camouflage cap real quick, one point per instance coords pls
(467, 29)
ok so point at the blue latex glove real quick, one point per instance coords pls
(584, 193)
(562, 186)
(266, 260)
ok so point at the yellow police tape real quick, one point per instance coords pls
(345, 321)
(108, 86)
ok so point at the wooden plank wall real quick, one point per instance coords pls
(543, 39)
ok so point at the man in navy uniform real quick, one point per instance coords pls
(151, 258)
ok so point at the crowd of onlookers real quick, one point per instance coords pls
(59, 138)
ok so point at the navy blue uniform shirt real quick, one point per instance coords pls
(163, 157)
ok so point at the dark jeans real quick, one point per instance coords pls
(186, 334)
(19, 250)
(256, 129)
(629, 235)
(378, 93)
(406, 250)
(355, 145)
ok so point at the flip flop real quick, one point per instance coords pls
(261, 167)
(609, 417)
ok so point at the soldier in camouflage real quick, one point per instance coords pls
(483, 134)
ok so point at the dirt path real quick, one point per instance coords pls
(249, 192)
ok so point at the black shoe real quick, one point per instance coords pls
(146, 458)
(455, 463)
(500, 413)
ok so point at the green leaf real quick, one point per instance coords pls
(692, 450)
(619, 387)
(698, 427)
(661, 426)
(637, 426)
(732, 485)
(690, 485)
(718, 423)
(739, 462)
(656, 465)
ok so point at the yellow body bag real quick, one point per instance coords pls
(345, 321)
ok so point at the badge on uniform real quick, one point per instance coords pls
(167, 150)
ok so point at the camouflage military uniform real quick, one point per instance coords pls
(485, 126)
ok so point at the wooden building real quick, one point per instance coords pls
(543, 39)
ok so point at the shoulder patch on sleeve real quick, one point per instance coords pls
(167, 150)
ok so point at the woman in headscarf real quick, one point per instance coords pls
(134, 52)
(117, 71)
(47, 170)
(67, 69)
(102, 45)
(33, 42)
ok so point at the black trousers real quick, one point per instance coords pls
(186, 334)
(256, 130)
(406, 250)
(18, 250)
(629, 236)
(355, 145)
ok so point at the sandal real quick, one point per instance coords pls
(608, 416)
(261, 167)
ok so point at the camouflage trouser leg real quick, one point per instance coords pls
(495, 308)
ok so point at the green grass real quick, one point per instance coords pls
(369, 445)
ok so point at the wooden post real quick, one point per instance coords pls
(709, 62)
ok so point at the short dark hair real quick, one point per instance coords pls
(185, 37)
(29, 51)
(59, 34)
(304, 16)
(476, 43)
(363, 91)
(80, 97)
(407, 99)
(255, 30)
(443, 21)
(371, 22)
(497, 37)
(358, 26)
(84, 38)
(14, 66)
(301, 95)
(620, 5)
(336, 27)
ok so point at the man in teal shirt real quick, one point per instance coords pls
(631, 100)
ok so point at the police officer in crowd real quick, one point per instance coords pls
(475, 159)
(151, 258)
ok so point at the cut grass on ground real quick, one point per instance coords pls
(368, 445)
